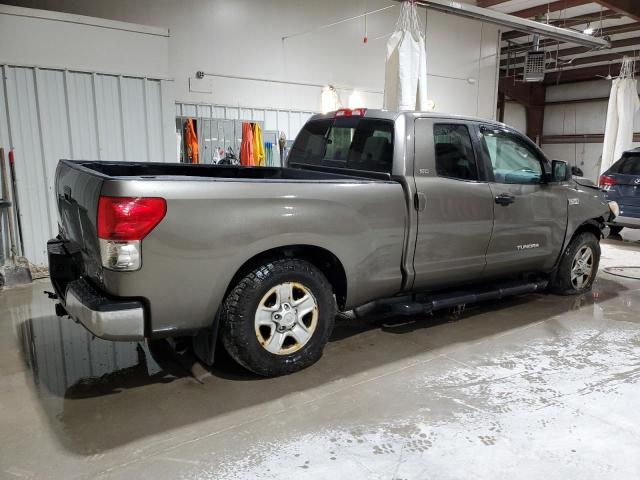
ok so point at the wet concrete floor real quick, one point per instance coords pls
(533, 387)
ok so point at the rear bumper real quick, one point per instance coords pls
(105, 316)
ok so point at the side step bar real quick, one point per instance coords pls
(422, 303)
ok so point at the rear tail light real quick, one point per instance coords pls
(606, 182)
(122, 223)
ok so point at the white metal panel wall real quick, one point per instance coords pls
(288, 121)
(51, 114)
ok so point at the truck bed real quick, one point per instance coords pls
(145, 170)
(219, 217)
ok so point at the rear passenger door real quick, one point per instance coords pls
(454, 203)
(530, 213)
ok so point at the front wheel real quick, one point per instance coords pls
(578, 265)
(278, 318)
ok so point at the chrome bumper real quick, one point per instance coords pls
(105, 317)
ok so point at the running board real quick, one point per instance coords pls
(422, 303)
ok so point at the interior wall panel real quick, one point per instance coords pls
(30, 172)
(84, 132)
(55, 138)
(50, 114)
(110, 127)
(134, 119)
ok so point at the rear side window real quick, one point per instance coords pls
(347, 142)
(630, 166)
(455, 157)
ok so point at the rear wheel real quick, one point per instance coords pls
(278, 318)
(615, 230)
(578, 265)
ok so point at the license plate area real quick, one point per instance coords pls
(65, 264)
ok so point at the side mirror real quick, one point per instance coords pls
(577, 172)
(560, 171)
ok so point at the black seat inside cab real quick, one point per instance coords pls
(451, 161)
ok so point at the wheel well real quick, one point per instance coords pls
(323, 259)
(592, 226)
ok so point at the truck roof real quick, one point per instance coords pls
(393, 115)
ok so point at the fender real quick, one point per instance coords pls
(593, 225)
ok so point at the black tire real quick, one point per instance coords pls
(238, 328)
(615, 230)
(562, 283)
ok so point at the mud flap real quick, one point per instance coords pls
(205, 342)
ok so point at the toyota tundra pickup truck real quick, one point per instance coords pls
(413, 211)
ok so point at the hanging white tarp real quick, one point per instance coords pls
(405, 85)
(623, 105)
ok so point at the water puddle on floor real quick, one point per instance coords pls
(67, 361)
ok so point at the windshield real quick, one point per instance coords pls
(348, 142)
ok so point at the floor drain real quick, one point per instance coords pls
(626, 272)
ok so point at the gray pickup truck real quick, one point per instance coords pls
(412, 211)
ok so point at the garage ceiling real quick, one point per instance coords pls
(618, 20)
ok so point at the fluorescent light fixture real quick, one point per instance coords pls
(588, 31)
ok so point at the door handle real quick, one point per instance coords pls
(505, 199)
(420, 201)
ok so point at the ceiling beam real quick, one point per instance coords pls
(569, 22)
(578, 138)
(513, 22)
(613, 30)
(566, 52)
(608, 57)
(489, 3)
(549, 7)
(579, 74)
(628, 8)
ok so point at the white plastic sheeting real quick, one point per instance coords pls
(618, 133)
(49, 114)
(405, 86)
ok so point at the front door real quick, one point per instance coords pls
(454, 202)
(530, 213)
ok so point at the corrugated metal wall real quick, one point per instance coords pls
(49, 114)
(288, 121)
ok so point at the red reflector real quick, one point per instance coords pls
(343, 112)
(128, 218)
(607, 181)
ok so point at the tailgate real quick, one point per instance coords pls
(78, 193)
(628, 189)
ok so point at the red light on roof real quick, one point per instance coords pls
(347, 112)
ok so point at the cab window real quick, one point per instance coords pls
(351, 142)
(454, 152)
(512, 159)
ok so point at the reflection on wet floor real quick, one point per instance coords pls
(69, 362)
